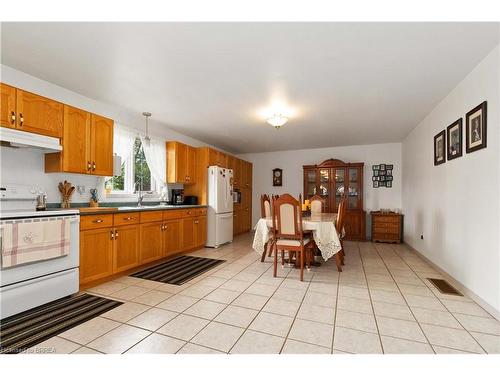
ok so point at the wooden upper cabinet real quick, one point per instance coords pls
(76, 140)
(237, 173)
(8, 106)
(37, 114)
(217, 158)
(101, 145)
(222, 160)
(181, 163)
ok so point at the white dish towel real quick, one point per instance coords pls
(34, 241)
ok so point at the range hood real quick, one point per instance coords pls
(20, 139)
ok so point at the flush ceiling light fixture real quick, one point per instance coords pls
(277, 120)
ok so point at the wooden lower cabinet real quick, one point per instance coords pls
(151, 242)
(354, 225)
(126, 248)
(387, 227)
(109, 246)
(201, 231)
(96, 254)
(172, 240)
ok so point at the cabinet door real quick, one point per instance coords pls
(181, 167)
(126, 247)
(237, 173)
(8, 106)
(310, 183)
(222, 160)
(236, 222)
(151, 247)
(37, 114)
(354, 187)
(172, 239)
(101, 145)
(190, 177)
(213, 157)
(76, 140)
(96, 254)
(200, 223)
(246, 210)
(188, 234)
(339, 182)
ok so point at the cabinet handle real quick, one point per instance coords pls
(89, 166)
(21, 119)
(189, 212)
(116, 234)
(196, 221)
(97, 221)
(93, 166)
(128, 218)
(12, 117)
(165, 227)
(112, 235)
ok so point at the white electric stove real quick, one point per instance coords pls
(33, 284)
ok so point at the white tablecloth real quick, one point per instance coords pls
(323, 228)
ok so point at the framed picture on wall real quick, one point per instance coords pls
(388, 184)
(475, 128)
(439, 148)
(454, 140)
(277, 177)
(375, 184)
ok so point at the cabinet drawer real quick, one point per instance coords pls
(96, 221)
(200, 212)
(386, 237)
(386, 228)
(126, 218)
(172, 214)
(386, 219)
(190, 212)
(151, 216)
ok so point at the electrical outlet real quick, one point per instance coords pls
(421, 236)
(80, 189)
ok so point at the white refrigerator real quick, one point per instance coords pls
(220, 206)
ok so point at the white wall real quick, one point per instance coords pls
(27, 166)
(292, 161)
(455, 205)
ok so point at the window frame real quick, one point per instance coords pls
(129, 184)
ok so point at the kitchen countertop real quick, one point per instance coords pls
(113, 210)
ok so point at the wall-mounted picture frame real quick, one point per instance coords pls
(388, 184)
(376, 167)
(376, 172)
(277, 177)
(439, 148)
(382, 167)
(454, 140)
(476, 128)
(375, 184)
(388, 172)
(389, 167)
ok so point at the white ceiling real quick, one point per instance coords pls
(347, 83)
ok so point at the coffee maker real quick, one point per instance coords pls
(177, 196)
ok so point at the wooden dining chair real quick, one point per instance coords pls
(265, 212)
(289, 236)
(339, 225)
(317, 205)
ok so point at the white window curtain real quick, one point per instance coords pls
(123, 141)
(156, 157)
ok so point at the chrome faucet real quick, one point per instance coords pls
(141, 193)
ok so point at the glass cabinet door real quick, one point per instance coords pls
(339, 186)
(324, 185)
(310, 183)
(354, 188)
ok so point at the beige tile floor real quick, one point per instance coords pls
(381, 303)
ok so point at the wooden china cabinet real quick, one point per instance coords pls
(333, 178)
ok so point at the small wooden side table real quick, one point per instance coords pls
(387, 227)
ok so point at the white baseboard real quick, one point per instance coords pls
(458, 285)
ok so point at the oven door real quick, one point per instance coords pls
(23, 272)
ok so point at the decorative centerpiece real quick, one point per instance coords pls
(94, 201)
(66, 189)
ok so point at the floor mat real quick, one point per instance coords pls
(179, 270)
(26, 329)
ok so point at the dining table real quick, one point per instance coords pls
(322, 226)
